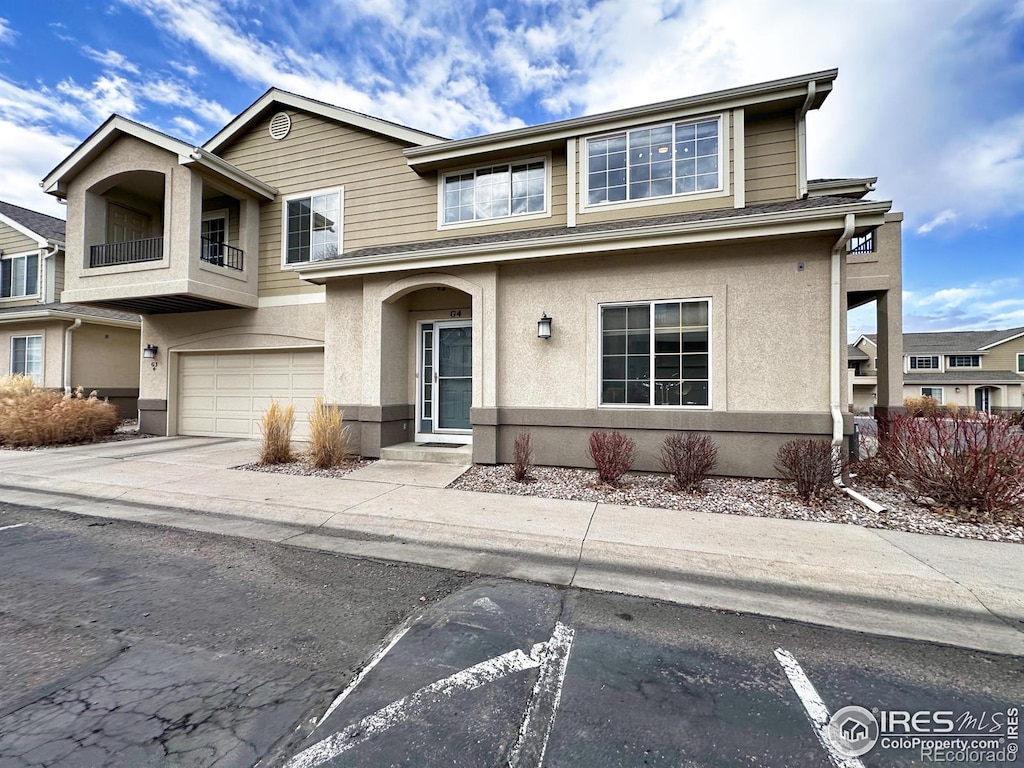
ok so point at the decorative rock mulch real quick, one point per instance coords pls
(302, 467)
(733, 496)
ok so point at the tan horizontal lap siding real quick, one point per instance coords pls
(13, 241)
(386, 202)
(1003, 357)
(770, 159)
(58, 276)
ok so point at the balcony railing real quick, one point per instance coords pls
(863, 244)
(220, 254)
(128, 252)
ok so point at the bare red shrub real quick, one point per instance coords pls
(522, 457)
(970, 464)
(612, 454)
(811, 465)
(689, 458)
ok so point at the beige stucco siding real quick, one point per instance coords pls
(12, 241)
(53, 346)
(770, 151)
(1002, 396)
(105, 356)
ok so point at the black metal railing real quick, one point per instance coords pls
(863, 244)
(128, 252)
(220, 254)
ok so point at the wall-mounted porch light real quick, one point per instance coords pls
(544, 326)
(149, 353)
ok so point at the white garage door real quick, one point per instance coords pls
(225, 394)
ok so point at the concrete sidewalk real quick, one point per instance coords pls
(953, 591)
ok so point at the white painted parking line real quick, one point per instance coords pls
(815, 708)
(362, 673)
(547, 693)
(8, 527)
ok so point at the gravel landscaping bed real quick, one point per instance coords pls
(733, 496)
(301, 467)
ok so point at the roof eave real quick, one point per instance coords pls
(31, 313)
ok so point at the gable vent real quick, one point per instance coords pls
(280, 125)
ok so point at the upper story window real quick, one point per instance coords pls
(655, 353)
(924, 362)
(662, 160)
(963, 361)
(509, 189)
(1020, 362)
(312, 225)
(27, 357)
(19, 276)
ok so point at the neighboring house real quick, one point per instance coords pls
(676, 248)
(976, 369)
(61, 346)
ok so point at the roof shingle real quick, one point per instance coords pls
(43, 225)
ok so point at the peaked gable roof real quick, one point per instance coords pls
(286, 99)
(38, 226)
(953, 342)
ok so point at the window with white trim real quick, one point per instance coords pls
(924, 363)
(19, 276)
(963, 361)
(656, 353)
(27, 357)
(312, 226)
(933, 392)
(657, 161)
(1020, 362)
(498, 191)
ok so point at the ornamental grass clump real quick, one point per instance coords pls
(812, 465)
(276, 425)
(33, 417)
(689, 458)
(612, 454)
(328, 436)
(522, 457)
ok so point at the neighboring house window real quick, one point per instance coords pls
(19, 276)
(1020, 362)
(313, 226)
(27, 356)
(927, 362)
(933, 392)
(659, 161)
(964, 361)
(655, 353)
(513, 189)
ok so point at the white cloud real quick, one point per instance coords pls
(948, 298)
(6, 33)
(108, 94)
(188, 70)
(946, 216)
(26, 154)
(187, 128)
(110, 59)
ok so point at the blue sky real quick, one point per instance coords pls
(930, 95)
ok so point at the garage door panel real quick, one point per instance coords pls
(226, 394)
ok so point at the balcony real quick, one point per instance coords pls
(131, 252)
(221, 254)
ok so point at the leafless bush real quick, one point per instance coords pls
(970, 464)
(328, 436)
(33, 417)
(276, 425)
(811, 464)
(522, 457)
(612, 454)
(689, 458)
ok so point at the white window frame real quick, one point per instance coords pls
(340, 191)
(722, 190)
(545, 214)
(1020, 362)
(928, 392)
(951, 361)
(914, 358)
(651, 353)
(37, 378)
(25, 256)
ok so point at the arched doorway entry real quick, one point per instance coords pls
(985, 398)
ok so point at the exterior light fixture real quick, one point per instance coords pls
(544, 326)
(149, 352)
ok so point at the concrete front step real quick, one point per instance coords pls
(461, 454)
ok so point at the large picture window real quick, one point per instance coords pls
(19, 276)
(655, 353)
(663, 160)
(924, 363)
(27, 356)
(313, 227)
(515, 189)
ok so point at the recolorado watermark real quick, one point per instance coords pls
(935, 736)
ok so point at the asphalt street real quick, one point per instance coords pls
(123, 644)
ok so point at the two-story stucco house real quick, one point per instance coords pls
(637, 270)
(59, 345)
(983, 370)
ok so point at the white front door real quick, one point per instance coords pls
(445, 391)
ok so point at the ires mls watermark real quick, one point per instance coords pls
(935, 736)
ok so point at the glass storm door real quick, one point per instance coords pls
(453, 376)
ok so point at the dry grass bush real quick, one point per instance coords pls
(522, 457)
(16, 385)
(612, 454)
(922, 406)
(328, 436)
(689, 458)
(811, 465)
(276, 425)
(970, 465)
(37, 417)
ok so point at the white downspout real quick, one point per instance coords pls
(801, 140)
(42, 272)
(67, 355)
(835, 359)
